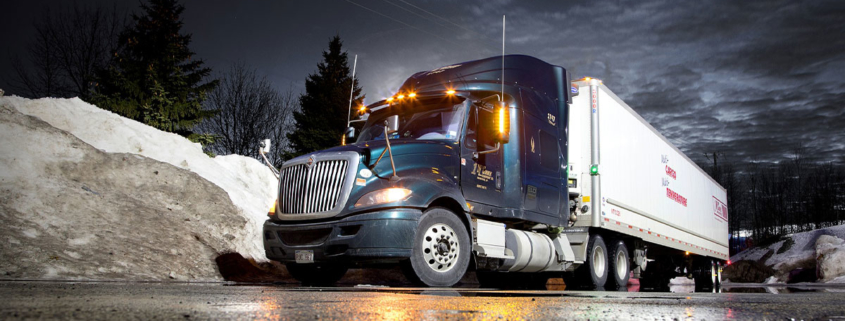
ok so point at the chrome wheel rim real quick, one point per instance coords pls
(440, 247)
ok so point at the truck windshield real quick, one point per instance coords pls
(418, 121)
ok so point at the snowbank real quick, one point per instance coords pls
(87, 194)
(251, 186)
(821, 249)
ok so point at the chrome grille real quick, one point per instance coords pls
(303, 190)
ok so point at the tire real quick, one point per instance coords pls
(619, 265)
(705, 277)
(441, 253)
(594, 272)
(316, 274)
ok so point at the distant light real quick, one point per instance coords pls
(450, 92)
(412, 95)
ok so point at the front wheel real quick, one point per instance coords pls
(441, 252)
(316, 274)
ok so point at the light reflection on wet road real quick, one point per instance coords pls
(62, 300)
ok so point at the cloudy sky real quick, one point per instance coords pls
(751, 79)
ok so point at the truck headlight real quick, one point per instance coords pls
(387, 195)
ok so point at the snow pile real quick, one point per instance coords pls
(250, 185)
(86, 194)
(817, 249)
(830, 252)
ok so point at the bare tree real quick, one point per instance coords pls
(250, 109)
(68, 49)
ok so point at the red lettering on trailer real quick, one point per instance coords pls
(676, 197)
(671, 172)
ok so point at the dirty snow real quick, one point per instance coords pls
(87, 194)
(250, 185)
(804, 253)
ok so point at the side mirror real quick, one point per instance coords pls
(502, 123)
(350, 132)
(391, 124)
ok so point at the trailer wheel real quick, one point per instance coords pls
(594, 271)
(316, 274)
(441, 253)
(619, 265)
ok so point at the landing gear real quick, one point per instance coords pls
(441, 252)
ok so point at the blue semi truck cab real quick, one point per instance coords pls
(458, 170)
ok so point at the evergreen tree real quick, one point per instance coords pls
(321, 120)
(152, 77)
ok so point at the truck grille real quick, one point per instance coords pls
(311, 190)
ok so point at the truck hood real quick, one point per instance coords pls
(371, 150)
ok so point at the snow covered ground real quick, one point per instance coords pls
(89, 194)
(822, 249)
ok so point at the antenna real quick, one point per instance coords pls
(351, 91)
(503, 59)
(351, 94)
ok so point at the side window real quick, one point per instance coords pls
(549, 151)
(472, 129)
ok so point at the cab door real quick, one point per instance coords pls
(481, 176)
(541, 179)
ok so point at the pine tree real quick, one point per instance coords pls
(152, 77)
(321, 121)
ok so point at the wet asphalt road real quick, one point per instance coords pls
(172, 301)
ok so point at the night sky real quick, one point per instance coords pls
(751, 79)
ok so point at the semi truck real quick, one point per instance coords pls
(507, 167)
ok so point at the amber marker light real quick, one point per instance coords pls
(389, 99)
(450, 92)
(412, 95)
(272, 210)
(502, 119)
(362, 109)
(400, 96)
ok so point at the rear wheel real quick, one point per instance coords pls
(594, 271)
(321, 274)
(441, 251)
(619, 265)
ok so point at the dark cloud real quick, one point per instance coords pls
(751, 79)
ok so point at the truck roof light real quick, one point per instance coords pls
(412, 95)
(400, 96)
(450, 92)
(389, 99)
(362, 109)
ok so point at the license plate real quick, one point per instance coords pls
(304, 256)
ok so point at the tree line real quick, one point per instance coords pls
(140, 66)
(767, 201)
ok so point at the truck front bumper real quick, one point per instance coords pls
(376, 237)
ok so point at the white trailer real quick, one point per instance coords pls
(633, 181)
